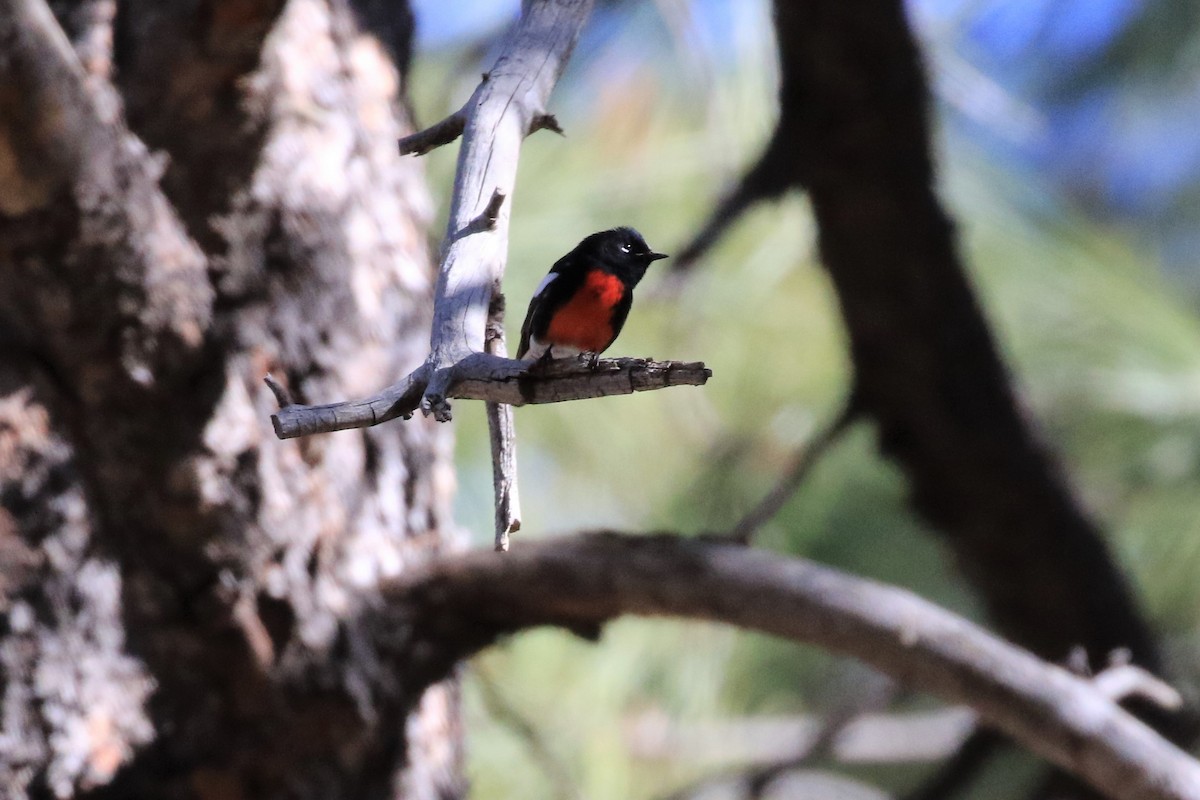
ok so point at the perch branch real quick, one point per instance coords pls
(503, 438)
(498, 380)
(584, 581)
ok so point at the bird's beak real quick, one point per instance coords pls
(655, 256)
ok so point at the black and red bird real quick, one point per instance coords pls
(581, 305)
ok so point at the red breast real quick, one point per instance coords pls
(585, 321)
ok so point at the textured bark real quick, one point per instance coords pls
(180, 589)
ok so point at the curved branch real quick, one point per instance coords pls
(581, 582)
(495, 380)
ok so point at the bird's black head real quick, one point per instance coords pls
(623, 249)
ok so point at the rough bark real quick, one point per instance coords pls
(181, 590)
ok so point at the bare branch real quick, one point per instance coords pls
(282, 396)
(582, 582)
(503, 437)
(436, 135)
(493, 379)
(802, 464)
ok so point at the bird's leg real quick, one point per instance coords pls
(593, 361)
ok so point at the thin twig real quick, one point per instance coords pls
(282, 396)
(802, 464)
(503, 439)
(436, 135)
(486, 221)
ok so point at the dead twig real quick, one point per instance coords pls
(440, 133)
(503, 439)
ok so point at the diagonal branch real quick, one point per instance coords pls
(442, 132)
(464, 603)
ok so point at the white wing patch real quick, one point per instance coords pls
(541, 287)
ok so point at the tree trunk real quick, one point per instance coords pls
(179, 588)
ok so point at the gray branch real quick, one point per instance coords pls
(584, 581)
(503, 437)
(498, 118)
(496, 380)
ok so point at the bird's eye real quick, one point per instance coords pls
(625, 248)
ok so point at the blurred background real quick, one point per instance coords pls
(1070, 159)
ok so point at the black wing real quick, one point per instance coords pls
(527, 326)
(542, 306)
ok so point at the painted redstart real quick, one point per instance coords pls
(581, 305)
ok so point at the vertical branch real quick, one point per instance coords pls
(503, 436)
(501, 113)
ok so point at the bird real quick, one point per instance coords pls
(582, 303)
